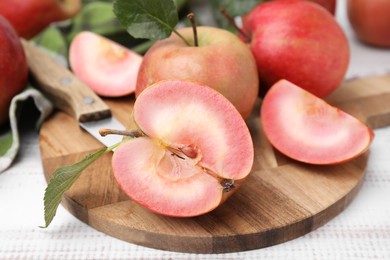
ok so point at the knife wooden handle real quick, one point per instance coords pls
(63, 88)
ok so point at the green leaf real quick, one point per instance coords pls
(180, 3)
(62, 179)
(6, 141)
(53, 40)
(148, 19)
(96, 17)
(85, 2)
(234, 8)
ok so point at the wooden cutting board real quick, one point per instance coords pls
(281, 200)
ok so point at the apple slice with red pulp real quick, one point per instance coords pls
(306, 128)
(194, 152)
(107, 67)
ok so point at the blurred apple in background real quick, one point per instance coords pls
(370, 19)
(13, 67)
(29, 17)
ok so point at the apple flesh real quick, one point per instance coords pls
(298, 41)
(371, 21)
(306, 128)
(13, 67)
(221, 61)
(107, 67)
(29, 17)
(196, 150)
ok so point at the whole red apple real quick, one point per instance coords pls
(13, 67)
(299, 41)
(370, 20)
(221, 61)
(29, 17)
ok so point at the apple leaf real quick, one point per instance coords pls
(53, 40)
(234, 8)
(62, 179)
(148, 19)
(97, 17)
(6, 141)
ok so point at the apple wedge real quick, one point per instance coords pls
(107, 67)
(306, 128)
(194, 152)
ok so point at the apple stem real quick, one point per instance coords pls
(135, 133)
(227, 184)
(191, 17)
(233, 23)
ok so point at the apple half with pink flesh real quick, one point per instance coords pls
(306, 128)
(195, 150)
(107, 67)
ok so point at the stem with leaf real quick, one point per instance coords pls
(148, 19)
(63, 178)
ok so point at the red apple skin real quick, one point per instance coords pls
(298, 41)
(371, 21)
(13, 67)
(329, 5)
(221, 61)
(29, 17)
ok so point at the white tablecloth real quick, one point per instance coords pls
(362, 231)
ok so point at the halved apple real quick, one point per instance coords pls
(306, 128)
(107, 67)
(195, 152)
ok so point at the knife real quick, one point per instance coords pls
(70, 94)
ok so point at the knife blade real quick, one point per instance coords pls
(70, 94)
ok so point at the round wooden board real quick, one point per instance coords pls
(281, 200)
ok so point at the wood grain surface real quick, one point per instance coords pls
(281, 200)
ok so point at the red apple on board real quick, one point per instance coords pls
(13, 67)
(107, 67)
(306, 128)
(29, 17)
(221, 61)
(298, 41)
(195, 150)
(370, 20)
